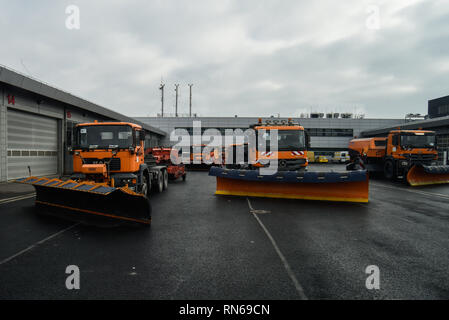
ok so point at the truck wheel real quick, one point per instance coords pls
(160, 182)
(146, 186)
(389, 171)
(165, 179)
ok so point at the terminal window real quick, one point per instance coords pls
(330, 132)
(313, 132)
(443, 141)
(221, 130)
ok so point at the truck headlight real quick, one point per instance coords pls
(129, 181)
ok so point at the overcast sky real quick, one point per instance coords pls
(250, 58)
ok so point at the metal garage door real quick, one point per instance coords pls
(32, 141)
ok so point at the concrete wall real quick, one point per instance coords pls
(321, 142)
(3, 142)
(32, 103)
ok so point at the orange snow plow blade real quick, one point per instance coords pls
(326, 186)
(79, 200)
(427, 175)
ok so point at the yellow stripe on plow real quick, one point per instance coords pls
(289, 196)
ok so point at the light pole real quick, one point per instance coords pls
(190, 101)
(176, 101)
(162, 99)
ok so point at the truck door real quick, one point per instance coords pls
(393, 144)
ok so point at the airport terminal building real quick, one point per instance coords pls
(328, 133)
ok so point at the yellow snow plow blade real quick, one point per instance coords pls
(349, 186)
(420, 175)
(90, 199)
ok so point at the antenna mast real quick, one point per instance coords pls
(176, 102)
(190, 101)
(162, 98)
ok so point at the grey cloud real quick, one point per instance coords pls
(248, 58)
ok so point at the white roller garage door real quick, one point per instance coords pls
(32, 141)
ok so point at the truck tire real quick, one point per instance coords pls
(146, 185)
(389, 170)
(160, 182)
(165, 179)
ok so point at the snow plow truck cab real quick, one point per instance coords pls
(407, 154)
(112, 177)
(291, 180)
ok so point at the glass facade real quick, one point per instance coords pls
(438, 107)
(313, 132)
(330, 132)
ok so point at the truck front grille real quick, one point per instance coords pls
(115, 164)
(421, 157)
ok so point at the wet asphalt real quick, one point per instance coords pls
(203, 246)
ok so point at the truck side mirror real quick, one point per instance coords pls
(142, 135)
(71, 140)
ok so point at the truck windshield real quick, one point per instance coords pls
(287, 140)
(104, 137)
(418, 141)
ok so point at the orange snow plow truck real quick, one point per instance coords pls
(290, 179)
(403, 154)
(112, 176)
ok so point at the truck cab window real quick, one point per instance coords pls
(104, 136)
(418, 141)
(395, 140)
(286, 139)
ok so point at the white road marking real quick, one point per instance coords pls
(37, 243)
(22, 197)
(287, 267)
(444, 196)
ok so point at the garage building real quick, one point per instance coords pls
(36, 122)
